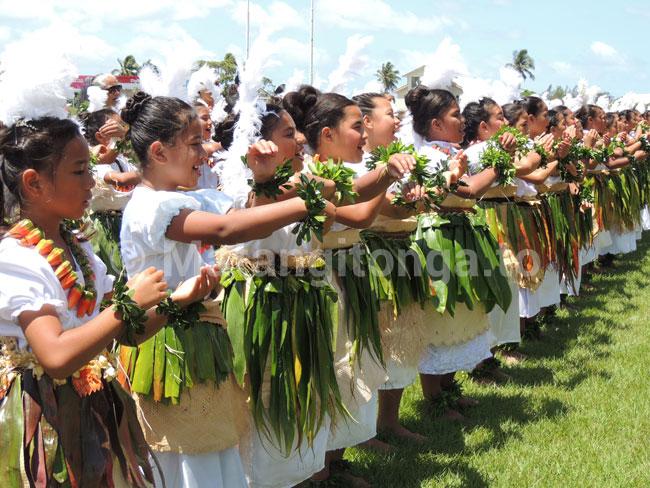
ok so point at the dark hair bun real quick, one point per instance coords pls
(299, 103)
(415, 95)
(134, 107)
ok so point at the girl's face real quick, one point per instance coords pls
(184, 158)
(346, 140)
(64, 193)
(494, 123)
(450, 127)
(205, 121)
(289, 141)
(522, 123)
(558, 130)
(599, 122)
(538, 124)
(381, 124)
(569, 118)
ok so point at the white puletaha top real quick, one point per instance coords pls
(146, 217)
(29, 283)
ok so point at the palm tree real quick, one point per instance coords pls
(128, 66)
(388, 76)
(522, 63)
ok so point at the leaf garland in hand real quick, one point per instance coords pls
(521, 140)
(577, 153)
(311, 192)
(498, 158)
(273, 187)
(133, 316)
(342, 176)
(180, 317)
(543, 154)
(420, 175)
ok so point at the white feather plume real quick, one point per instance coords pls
(219, 113)
(444, 66)
(34, 85)
(96, 98)
(351, 64)
(250, 109)
(171, 81)
(205, 78)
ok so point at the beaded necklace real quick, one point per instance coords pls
(83, 298)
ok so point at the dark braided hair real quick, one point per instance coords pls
(35, 144)
(154, 119)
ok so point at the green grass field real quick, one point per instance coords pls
(576, 413)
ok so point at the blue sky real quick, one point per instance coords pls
(568, 40)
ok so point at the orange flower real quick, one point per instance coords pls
(63, 270)
(69, 280)
(32, 238)
(87, 381)
(21, 229)
(45, 246)
(74, 296)
(55, 257)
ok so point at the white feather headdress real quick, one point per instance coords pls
(33, 86)
(351, 64)
(205, 78)
(250, 108)
(96, 98)
(171, 78)
(444, 66)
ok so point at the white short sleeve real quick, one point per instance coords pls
(213, 201)
(29, 284)
(149, 213)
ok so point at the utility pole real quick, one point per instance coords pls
(311, 46)
(248, 27)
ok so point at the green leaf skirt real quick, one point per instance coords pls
(51, 436)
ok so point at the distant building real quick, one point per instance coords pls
(129, 83)
(412, 80)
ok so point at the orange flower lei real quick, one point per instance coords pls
(83, 298)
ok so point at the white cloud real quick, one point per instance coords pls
(561, 67)
(157, 41)
(61, 38)
(108, 11)
(376, 15)
(276, 17)
(603, 50)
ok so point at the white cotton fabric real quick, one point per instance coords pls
(209, 179)
(216, 470)
(505, 324)
(269, 468)
(145, 221)
(144, 244)
(399, 375)
(645, 218)
(105, 196)
(460, 357)
(33, 285)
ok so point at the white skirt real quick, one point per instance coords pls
(439, 360)
(221, 469)
(268, 467)
(645, 218)
(548, 293)
(505, 325)
(349, 432)
(623, 243)
(603, 241)
(399, 375)
(588, 254)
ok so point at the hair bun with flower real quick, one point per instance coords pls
(134, 107)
